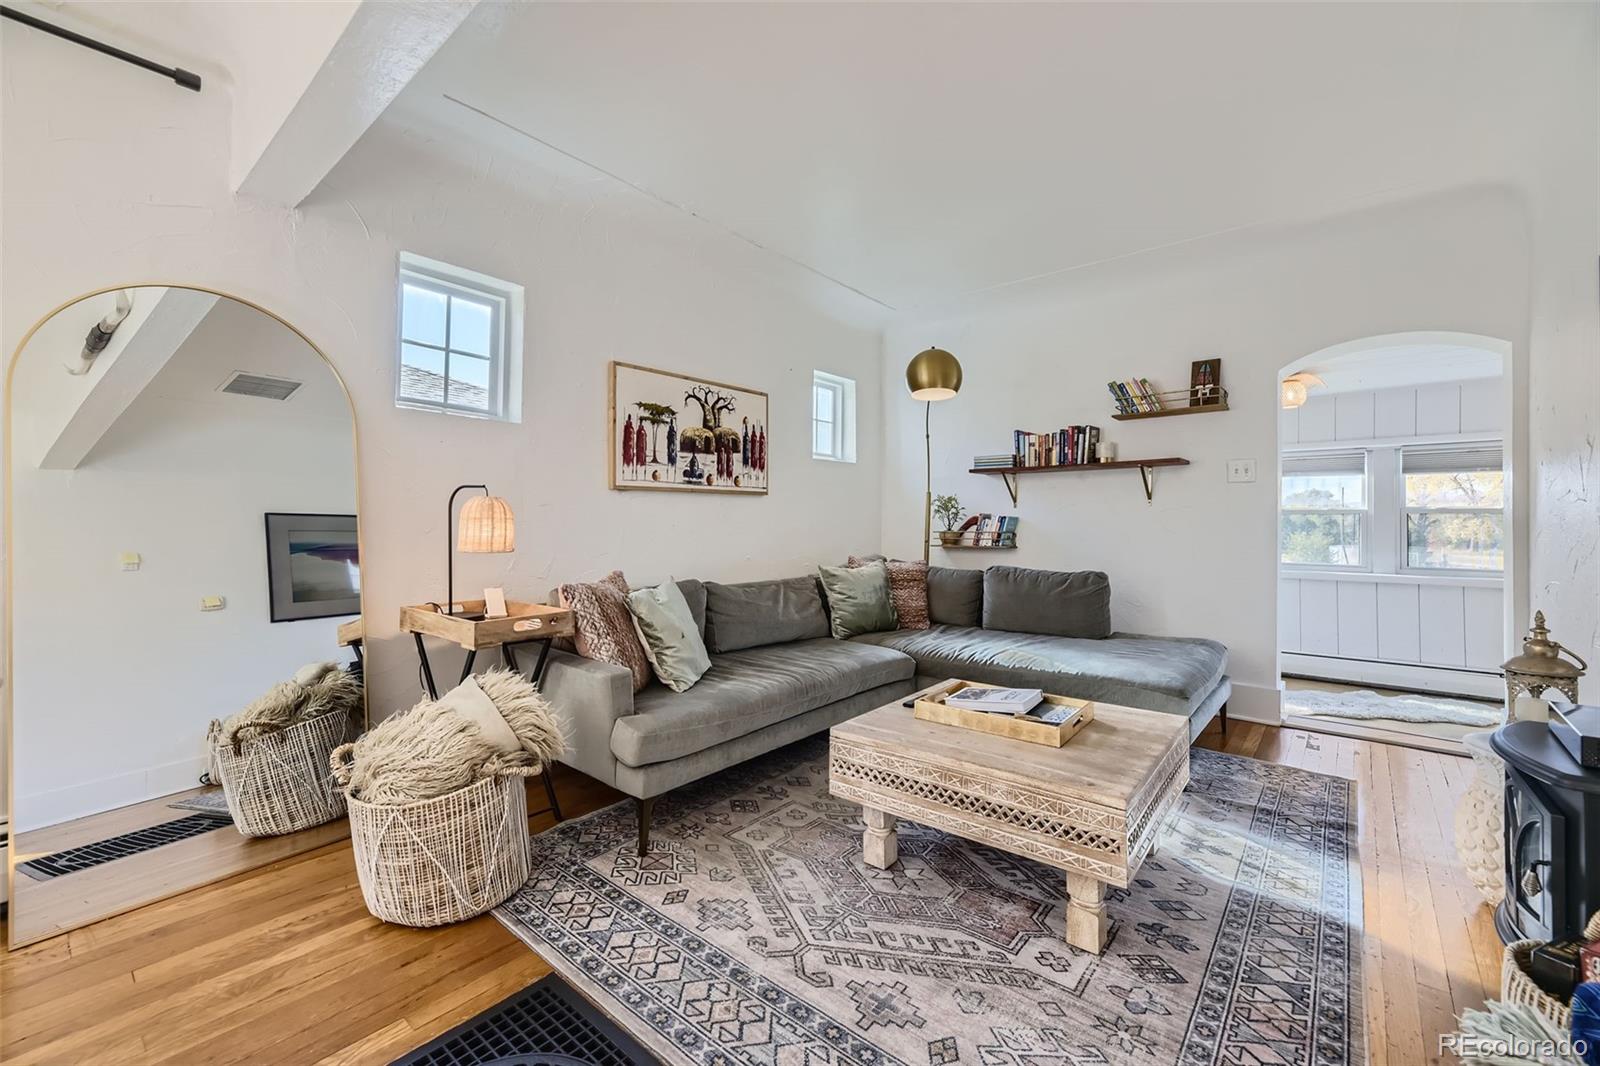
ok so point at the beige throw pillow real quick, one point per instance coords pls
(908, 589)
(605, 631)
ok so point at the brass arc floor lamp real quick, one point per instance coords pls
(932, 375)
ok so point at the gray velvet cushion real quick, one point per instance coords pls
(955, 597)
(1062, 604)
(694, 594)
(858, 598)
(1173, 674)
(757, 613)
(749, 690)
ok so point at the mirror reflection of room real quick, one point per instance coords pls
(186, 600)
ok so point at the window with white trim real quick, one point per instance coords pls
(833, 417)
(1325, 510)
(1454, 498)
(460, 341)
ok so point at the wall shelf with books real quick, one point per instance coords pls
(1136, 398)
(1177, 402)
(1146, 468)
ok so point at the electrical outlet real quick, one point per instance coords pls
(212, 603)
(1241, 470)
(129, 560)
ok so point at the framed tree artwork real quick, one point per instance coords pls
(675, 433)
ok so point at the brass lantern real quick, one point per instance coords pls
(1540, 667)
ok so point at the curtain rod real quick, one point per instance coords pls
(186, 78)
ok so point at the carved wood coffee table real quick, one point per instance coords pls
(1092, 807)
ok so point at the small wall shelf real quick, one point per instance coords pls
(1170, 412)
(1180, 402)
(1146, 468)
(976, 547)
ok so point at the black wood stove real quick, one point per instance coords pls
(1552, 837)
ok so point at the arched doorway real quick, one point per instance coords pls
(1397, 546)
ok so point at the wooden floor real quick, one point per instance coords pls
(45, 908)
(284, 965)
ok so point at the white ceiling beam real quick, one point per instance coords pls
(292, 127)
(121, 372)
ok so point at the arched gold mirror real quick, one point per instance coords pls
(181, 522)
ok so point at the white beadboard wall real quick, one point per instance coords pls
(1468, 409)
(1445, 622)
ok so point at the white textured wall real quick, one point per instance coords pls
(112, 176)
(1201, 560)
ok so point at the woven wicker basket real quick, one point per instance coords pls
(443, 860)
(280, 782)
(1517, 987)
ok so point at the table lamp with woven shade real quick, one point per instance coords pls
(487, 526)
(932, 375)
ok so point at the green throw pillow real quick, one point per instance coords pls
(670, 637)
(858, 599)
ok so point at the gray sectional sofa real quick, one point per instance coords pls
(777, 675)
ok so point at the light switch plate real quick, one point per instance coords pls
(129, 560)
(1241, 470)
(212, 603)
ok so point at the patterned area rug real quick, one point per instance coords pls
(753, 932)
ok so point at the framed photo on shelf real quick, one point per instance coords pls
(1205, 382)
(672, 432)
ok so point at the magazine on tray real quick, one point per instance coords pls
(995, 700)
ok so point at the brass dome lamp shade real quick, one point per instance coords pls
(1540, 667)
(932, 375)
(488, 526)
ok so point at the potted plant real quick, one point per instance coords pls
(947, 509)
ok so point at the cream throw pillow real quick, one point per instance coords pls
(671, 640)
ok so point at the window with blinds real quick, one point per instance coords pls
(1325, 510)
(1454, 507)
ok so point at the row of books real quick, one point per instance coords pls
(1061, 447)
(1135, 396)
(988, 528)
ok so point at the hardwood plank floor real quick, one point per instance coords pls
(284, 964)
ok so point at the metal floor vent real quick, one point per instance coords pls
(101, 851)
(546, 1024)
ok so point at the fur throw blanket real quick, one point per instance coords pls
(433, 749)
(315, 690)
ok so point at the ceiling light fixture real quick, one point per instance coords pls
(1293, 389)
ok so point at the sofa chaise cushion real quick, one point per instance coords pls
(1052, 602)
(749, 690)
(1172, 674)
(755, 614)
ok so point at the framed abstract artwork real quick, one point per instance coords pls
(313, 566)
(675, 433)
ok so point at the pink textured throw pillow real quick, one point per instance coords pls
(908, 589)
(605, 631)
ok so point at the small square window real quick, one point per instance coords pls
(833, 418)
(460, 341)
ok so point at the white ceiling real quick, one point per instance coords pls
(917, 152)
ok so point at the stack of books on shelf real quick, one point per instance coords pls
(987, 530)
(1062, 447)
(994, 462)
(1135, 396)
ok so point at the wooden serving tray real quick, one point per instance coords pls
(932, 708)
(468, 629)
